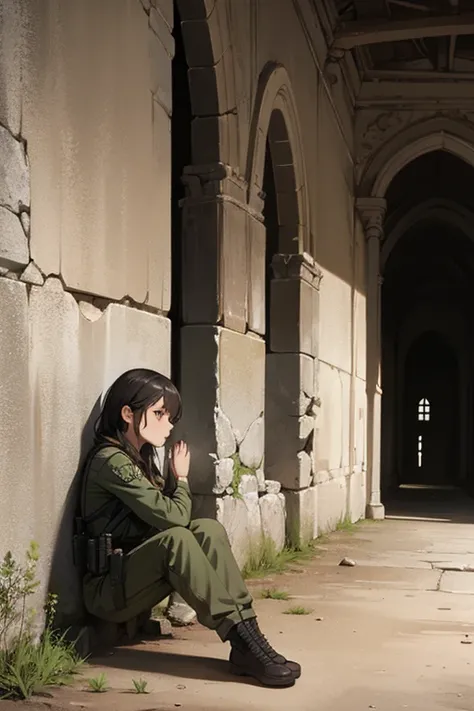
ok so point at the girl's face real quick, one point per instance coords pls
(155, 426)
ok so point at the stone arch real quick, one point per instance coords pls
(275, 117)
(208, 47)
(447, 211)
(417, 140)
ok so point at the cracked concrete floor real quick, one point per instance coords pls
(393, 632)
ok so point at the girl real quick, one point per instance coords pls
(146, 521)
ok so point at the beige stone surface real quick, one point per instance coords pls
(11, 52)
(251, 449)
(302, 515)
(224, 475)
(335, 322)
(332, 503)
(225, 438)
(14, 176)
(333, 419)
(99, 215)
(360, 420)
(294, 317)
(360, 301)
(273, 514)
(335, 215)
(233, 513)
(14, 252)
(233, 267)
(357, 495)
(241, 379)
(18, 502)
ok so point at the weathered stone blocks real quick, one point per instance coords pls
(14, 176)
(12, 45)
(224, 475)
(290, 298)
(14, 252)
(226, 444)
(251, 449)
(332, 503)
(290, 383)
(241, 379)
(288, 427)
(273, 515)
(242, 521)
(302, 510)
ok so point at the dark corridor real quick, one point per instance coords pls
(430, 414)
(427, 264)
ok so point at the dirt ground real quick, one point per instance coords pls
(393, 632)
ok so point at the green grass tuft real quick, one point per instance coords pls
(26, 668)
(263, 558)
(28, 665)
(346, 525)
(239, 471)
(98, 684)
(140, 686)
(298, 610)
(274, 594)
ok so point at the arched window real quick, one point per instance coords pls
(424, 410)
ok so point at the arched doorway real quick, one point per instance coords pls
(292, 284)
(281, 221)
(427, 308)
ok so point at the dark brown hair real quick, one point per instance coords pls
(139, 389)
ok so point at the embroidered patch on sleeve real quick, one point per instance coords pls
(128, 472)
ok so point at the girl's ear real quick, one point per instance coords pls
(127, 414)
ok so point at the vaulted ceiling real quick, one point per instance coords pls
(408, 38)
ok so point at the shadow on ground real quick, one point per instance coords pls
(442, 504)
(185, 666)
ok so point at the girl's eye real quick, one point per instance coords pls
(159, 413)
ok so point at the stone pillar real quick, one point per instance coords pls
(215, 276)
(292, 388)
(223, 356)
(372, 213)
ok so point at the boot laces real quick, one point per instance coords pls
(255, 642)
(265, 644)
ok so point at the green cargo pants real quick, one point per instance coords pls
(197, 562)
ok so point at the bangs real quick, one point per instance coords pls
(172, 400)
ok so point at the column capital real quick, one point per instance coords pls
(372, 213)
(205, 183)
(297, 266)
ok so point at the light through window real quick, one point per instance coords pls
(420, 450)
(424, 410)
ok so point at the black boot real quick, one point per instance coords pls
(294, 667)
(248, 658)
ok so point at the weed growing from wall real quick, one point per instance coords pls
(26, 664)
(240, 470)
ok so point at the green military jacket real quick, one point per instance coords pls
(119, 499)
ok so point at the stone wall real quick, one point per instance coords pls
(84, 247)
(310, 375)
